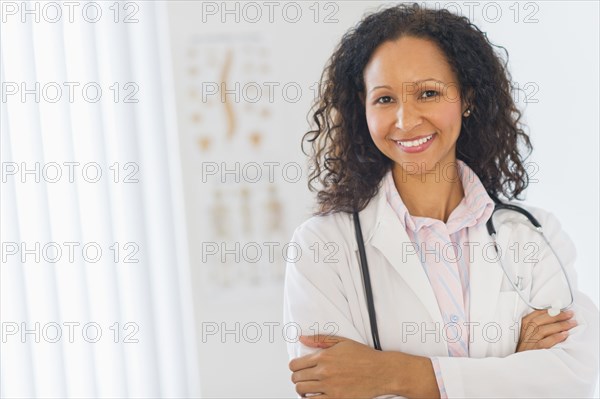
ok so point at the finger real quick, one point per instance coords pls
(302, 362)
(533, 314)
(321, 341)
(304, 375)
(545, 318)
(533, 334)
(539, 313)
(545, 343)
(557, 327)
(530, 334)
(552, 340)
(315, 342)
(310, 387)
(541, 318)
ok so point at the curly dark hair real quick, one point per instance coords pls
(346, 162)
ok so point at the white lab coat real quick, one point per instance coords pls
(324, 294)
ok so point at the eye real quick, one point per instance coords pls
(429, 94)
(387, 98)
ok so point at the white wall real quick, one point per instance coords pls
(557, 57)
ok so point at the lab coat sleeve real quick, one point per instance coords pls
(568, 369)
(314, 295)
(438, 378)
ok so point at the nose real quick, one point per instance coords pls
(408, 116)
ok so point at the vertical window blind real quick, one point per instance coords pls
(95, 288)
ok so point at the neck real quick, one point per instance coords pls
(434, 194)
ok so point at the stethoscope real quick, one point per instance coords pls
(553, 310)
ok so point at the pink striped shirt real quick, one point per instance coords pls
(441, 247)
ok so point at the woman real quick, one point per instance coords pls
(416, 130)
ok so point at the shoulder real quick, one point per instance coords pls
(323, 243)
(338, 227)
(551, 226)
(334, 227)
(546, 218)
(319, 251)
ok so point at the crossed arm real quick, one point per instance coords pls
(349, 369)
(346, 368)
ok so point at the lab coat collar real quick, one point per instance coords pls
(382, 229)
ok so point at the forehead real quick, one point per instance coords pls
(405, 60)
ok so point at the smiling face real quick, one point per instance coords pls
(412, 104)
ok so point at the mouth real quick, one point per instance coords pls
(416, 144)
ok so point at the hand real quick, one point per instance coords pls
(343, 368)
(539, 330)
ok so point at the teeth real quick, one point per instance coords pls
(415, 142)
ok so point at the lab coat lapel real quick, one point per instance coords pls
(485, 276)
(383, 230)
(389, 236)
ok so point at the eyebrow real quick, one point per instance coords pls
(415, 82)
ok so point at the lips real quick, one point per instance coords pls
(415, 141)
(417, 144)
(414, 138)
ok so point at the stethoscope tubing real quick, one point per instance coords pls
(538, 227)
(367, 282)
(491, 230)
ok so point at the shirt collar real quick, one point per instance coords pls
(476, 206)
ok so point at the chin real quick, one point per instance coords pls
(416, 165)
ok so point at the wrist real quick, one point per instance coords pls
(397, 367)
(410, 376)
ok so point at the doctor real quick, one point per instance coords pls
(416, 128)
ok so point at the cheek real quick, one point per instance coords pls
(448, 118)
(377, 123)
